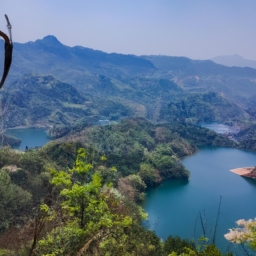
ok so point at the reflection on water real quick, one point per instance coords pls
(250, 181)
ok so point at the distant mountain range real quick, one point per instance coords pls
(53, 84)
(85, 69)
(75, 65)
(234, 61)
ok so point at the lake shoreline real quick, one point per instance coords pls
(30, 137)
(249, 172)
(174, 207)
(27, 127)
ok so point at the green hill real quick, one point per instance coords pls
(234, 83)
(43, 101)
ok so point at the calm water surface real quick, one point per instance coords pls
(220, 128)
(174, 206)
(32, 137)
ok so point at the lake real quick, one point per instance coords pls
(220, 128)
(173, 207)
(31, 137)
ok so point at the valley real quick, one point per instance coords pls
(121, 126)
(66, 89)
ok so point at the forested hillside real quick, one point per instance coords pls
(44, 101)
(83, 196)
(133, 85)
(234, 83)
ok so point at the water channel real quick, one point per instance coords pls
(174, 206)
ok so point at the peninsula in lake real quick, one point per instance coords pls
(249, 172)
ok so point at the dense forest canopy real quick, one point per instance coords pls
(104, 170)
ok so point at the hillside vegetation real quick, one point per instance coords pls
(43, 101)
(136, 142)
(82, 196)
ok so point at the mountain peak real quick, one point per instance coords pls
(51, 38)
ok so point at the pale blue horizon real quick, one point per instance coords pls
(197, 29)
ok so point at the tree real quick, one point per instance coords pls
(13, 201)
(94, 218)
(174, 246)
(245, 234)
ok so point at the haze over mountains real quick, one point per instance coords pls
(114, 86)
(234, 61)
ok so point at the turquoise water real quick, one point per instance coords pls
(174, 206)
(31, 137)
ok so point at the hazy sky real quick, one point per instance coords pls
(198, 29)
